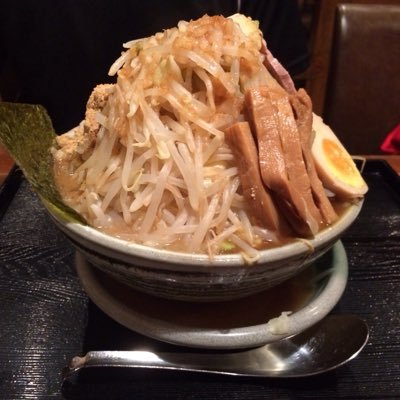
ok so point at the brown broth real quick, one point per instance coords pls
(339, 206)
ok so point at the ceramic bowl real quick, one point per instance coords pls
(195, 277)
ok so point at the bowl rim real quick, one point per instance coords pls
(110, 245)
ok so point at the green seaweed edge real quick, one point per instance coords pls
(26, 131)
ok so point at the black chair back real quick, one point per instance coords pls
(362, 103)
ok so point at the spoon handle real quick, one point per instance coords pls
(332, 342)
(233, 363)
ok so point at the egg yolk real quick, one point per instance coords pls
(341, 163)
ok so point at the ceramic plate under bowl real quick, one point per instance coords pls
(234, 324)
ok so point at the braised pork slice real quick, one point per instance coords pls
(302, 107)
(264, 125)
(277, 70)
(292, 149)
(241, 142)
(281, 163)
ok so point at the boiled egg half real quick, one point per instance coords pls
(334, 165)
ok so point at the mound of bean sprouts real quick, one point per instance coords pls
(158, 171)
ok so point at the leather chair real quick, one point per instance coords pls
(362, 103)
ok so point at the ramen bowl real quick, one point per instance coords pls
(197, 277)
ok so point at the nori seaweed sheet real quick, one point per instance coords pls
(27, 133)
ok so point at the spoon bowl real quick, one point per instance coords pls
(331, 343)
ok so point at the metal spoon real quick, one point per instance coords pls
(327, 345)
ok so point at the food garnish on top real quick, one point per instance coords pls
(204, 145)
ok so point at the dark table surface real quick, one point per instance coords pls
(46, 318)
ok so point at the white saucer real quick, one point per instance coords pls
(236, 324)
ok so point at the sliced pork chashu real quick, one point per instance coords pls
(280, 157)
(241, 142)
(302, 107)
(293, 153)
